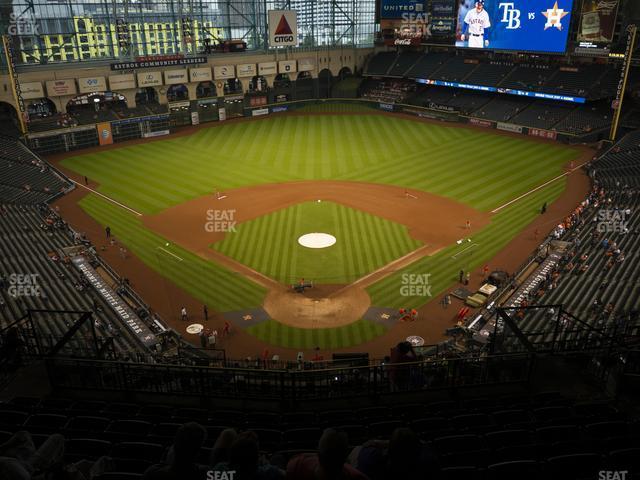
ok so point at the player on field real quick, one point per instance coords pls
(475, 22)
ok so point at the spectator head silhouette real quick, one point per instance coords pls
(189, 439)
(244, 455)
(333, 449)
(404, 451)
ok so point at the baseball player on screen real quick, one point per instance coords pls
(475, 22)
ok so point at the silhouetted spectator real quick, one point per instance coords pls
(403, 456)
(222, 447)
(180, 463)
(328, 463)
(20, 460)
(244, 460)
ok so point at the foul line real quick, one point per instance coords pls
(470, 246)
(538, 188)
(172, 254)
(108, 198)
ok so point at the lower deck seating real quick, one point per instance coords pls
(30, 241)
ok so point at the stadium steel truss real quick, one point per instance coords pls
(49, 32)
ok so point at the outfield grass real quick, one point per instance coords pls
(364, 243)
(479, 168)
(505, 225)
(215, 286)
(475, 167)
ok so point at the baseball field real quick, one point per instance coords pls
(218, 213)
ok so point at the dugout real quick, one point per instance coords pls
(234, 105)
(305, 86)
(207, 109)
(179, 113)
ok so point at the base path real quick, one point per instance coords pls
(166, 297)
(434, 220)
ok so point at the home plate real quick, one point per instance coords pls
(195, 328)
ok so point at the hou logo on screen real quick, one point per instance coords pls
(511, 16)
(554, 17)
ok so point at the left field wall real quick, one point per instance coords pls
(314, 62)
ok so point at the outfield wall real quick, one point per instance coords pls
(188, 113)
(62, 83)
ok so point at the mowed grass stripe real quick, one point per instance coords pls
(478, 168)
(364, 243)
(159, 174)
(443, 269)
(219, 288)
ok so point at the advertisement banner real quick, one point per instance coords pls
(287, 66)
(443, 8)
(158, 63)
(31, 90)
(507, 91)
(442, 27)
(283, 28)
(222, 114)
(149, 79)
(92, 84)
(267, 68)
(246, 70)
(104, 133)
(158, 133)
(519, 25)
(178, 105)
(598, 21)
(398, 8)
(122, 82)
(124, 312)
(481, 123)
(200, 74)
(509, 127)
(259, 112)
(424, 113)
(60, 88)
(174, 77)
(306, 64)
(224, 72)
(195, 118)
(442, 108)
(282, 108)
(536, 132)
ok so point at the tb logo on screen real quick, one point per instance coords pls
(510, 15)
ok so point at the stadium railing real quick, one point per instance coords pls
(287, 385)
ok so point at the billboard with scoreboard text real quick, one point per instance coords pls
(398, 8)
(509, 25)
(507, 91)
(519, 25)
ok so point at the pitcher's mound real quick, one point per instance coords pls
(317, 240)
